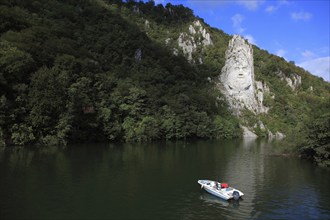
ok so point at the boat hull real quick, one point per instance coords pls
(213, 188)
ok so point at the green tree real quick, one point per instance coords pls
(47, 99)
(317, 145)
(21, 134)
(15, 64)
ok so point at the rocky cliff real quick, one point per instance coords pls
(240, 88)
(196, 37)
(238, 83)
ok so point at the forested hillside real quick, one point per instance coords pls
(77, 72)
(108, 70)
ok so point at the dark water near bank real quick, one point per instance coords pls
(159, 181)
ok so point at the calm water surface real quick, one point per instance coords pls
(159, 181)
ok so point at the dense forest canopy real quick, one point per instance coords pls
(83, 71)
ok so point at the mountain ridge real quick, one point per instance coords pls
(133, 71)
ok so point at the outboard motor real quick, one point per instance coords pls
(236, 195)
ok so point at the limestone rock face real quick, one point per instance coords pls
(294, 80)
(261, 89)
(237, 77)
(277, 136)
(175, 52)
(197, 36)
(247, 133)
(240, 88)
(188, 45)
(167, 41)
(205, 37)
(147, 24)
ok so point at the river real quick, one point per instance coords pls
(159, 181)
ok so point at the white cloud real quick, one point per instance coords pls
(281, 53)
(305, 16)
(308, 54)
(237, 23)
(251, 4)
(270, 9)
(319, 66)
(250, 38)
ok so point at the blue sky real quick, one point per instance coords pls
(295, 30)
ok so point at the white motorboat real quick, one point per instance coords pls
(221, 190)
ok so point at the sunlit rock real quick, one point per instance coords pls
(277, 135)
(294, 80)
(261, 89)
(206, 37)
(260, 125)
(167, 41)
(239, 86)
(192, 30)
(237, 76)
(197, 36)
(247, 133)
(188, 45)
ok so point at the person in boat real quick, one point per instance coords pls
(224, 185)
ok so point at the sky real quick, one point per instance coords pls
(295, 30)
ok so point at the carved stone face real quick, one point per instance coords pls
(237, 76)
(239, 73)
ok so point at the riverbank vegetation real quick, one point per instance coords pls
(316, 145)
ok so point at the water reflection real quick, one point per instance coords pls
(243, 169)
(214, 200)
(158, 179)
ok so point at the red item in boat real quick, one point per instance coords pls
(224, 185)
